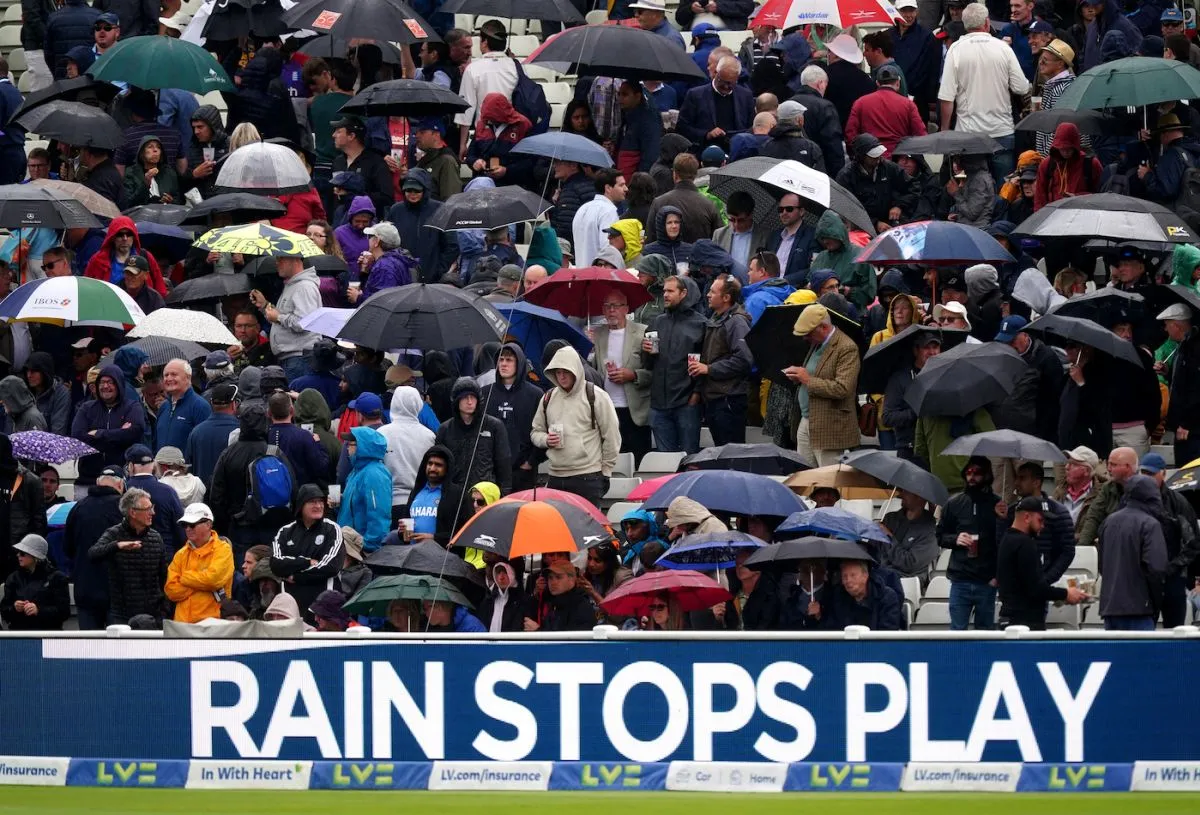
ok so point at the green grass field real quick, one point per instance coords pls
(61, 801)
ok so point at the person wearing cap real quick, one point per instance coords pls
(438, 159)
(1162, 179)
(566, 607)
(302, 448)
(704, 37)
(1180, 534)
(1172, 23)
(70, 26)
(121, 242)
(1026, 590)
(828, 384)
(886, 112)
(1183, 378)
(915, 51)
(97, 511)
(354, 575)
(210, 437)
(140, 469)
(183, 408)
(879, 184)
(385, 263)
(355, 155)
(1055, 63)
(136, 558)
(200, 576)
(1133, 558)
(710, 114)
(35, 596)
(1080, 485)
(308, 553)
(1056, 542)
(847, 79)
(137, 271)
(217, 368)
(434, 249)
(1034, 405)
(493, 72)
(1022, 207)
(171, 469)
(788, 140)
(1067, 171)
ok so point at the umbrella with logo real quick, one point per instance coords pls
(948, 143)
(709, 550)
(264, 169)
(895, 354)
(786, 554)
(547, 494)
(1186, 478)
(616, 51)
(161, 62)
(690, 590)
(1106, 215)
(534, 326)
(373, 600)
(832, 522)
(430, 316)
(241, 207)
(389, 20)
(488, 209)
(965, 378)
(515, 528)
(562, 146)
(96, 203)
(783, 14)
(848, 481)
(412, 98)
(1057, 329)
(763, 459)
(941, 243)
(257, 239)
(73, 123)
(1005, 444)
(161, 350)
(72, 301)
(184, 324)
(580, 292)
(209, 287)
(775, 347)
(38, 445)
(559, 10)
(729, 491)
(25, 205)
(898, 473)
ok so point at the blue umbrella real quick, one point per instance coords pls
(168, 243)
(729, 491)
(945, 243)
(534, 326)
(56, 515)
(565, 147)
(711, 550)
(834, 522)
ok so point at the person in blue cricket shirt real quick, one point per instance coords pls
(431, 489)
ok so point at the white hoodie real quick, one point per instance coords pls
(407, 441)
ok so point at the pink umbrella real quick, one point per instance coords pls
(690, 589)
(648, 487)
(547, 494)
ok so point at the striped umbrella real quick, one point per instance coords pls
(257, 239)
(56, 515)
(71, 301)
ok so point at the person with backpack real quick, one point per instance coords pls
(308, 553)
(367, 499)
(576, 424)
(1067, 171)
(493, 72)
(1165, 181)
(240, 506)
(302, 448)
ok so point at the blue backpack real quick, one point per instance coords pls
(530, 101)
(271, 486)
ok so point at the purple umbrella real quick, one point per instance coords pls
(38, 445)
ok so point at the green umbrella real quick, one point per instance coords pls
(373, 601)
(1131, 82)
(161, 62)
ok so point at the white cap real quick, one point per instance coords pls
(877, 151)
(953, 307)
(195, 513)
(905, 4)
(845, 48)
(1178, 311)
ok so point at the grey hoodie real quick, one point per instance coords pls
(301, 296)
(587, 446)
(20, 408)
(407, 441)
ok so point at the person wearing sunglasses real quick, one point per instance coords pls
(200, 576)
(794, 242)
(567, 607)
(664, 614)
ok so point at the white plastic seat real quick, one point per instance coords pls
(596, 17)
(619, 488)
(557, 112)
(1064, 617)
(559, 93)
(938, 589)
(522, 45)
(862, 507)
(10, 36)
(17, 61)
(912, 589)
(1086, 559)
(625, 465)
(619, 510)
(943, 563)
(12, 14)
(932, 616)
(660, 463)
(734, 39)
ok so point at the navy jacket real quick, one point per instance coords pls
(573, 193)
(308, 458)
(68, 27)
(641, 133)
(112, 438)
(433, 248)
(919, 56)
(795, 266)
(176, 420)
(823, 125)
(167, 510)
(137, 17)
(85, 524)
(698, 112)
(208, 440)
(1056, 544)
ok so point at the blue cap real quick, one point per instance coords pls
(701, 29)
(367, 404)
(217, 359)
(712, 155)
(1040, 27)
(109, 17)
(1010, 327)
(1172, 15)
(429, 123)
(139, 454)
(1152, 463)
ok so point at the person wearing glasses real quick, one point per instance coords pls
(664, 614)
(67, 28)
(793, 243)
(200, 576)
(136, 558)
(742, 237)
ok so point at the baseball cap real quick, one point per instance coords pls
(1083, 455)
(386, 232)
(224, 393)
(195, 513)
(112, 472)
(1131, 252)
(351, 123)
(110, 18)
(700, 29)
(1029, 175)
(809, 319)
(1032, 504)
(1040, 27)
(139, 454)
(217, 359)
(790, 111)
(1152, 463)
(887, 73)
(367, 404)
(342, 178)
(411, 183)
(138, 263)
(429, 123)
(1177, 311)
(1172, 14)
(510, 272)
(903, 4)
(954, 307)
(953, 281)
(1010, 327)
(712, 155)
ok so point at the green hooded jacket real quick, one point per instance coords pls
(311, 409)
(544, 250)
(661, 268)
(1183, 264)
(859, 277)
(137, 191)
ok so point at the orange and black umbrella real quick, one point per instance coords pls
(516, 528)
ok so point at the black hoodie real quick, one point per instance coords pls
(453, 512)
(229, 488)
(515, 405)
(972, 511)
(680, 332)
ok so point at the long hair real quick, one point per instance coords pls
(243, 134)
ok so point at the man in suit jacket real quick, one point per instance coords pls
(712, 113)
(742, 237)
(618, 356)
(828, 379)
(794, 243)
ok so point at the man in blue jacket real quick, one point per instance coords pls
(303, 449)
(109, 424)
(433, 248)
(918, 54)
(210, 438)
(69, 27)
(766, 287)
(183, 408)
(651, 15)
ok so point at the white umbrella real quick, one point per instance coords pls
(265, 169)
(768, 179)
(182, 324)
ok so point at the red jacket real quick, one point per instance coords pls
(887, 116)
(1058, 178)
(302, 207)
(100, 266)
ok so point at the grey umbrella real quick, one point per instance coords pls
(896, 472)
(162, 350)
(1005, 444)
(1061, 330)
(965, 378)
(947, 143)
(809, 548)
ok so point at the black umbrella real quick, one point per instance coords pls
(1106, 215)
(488, 209)
(617, 51)
(165, 214)
(1105, 306)
(895, 354)
(1005, 444)
(1060, 330)
(775, 347)
(948, 143)
(209, 287)
(426, 557)
(896, 472)
(432, 316)
(389, 20)
(33, 205)
(769, 179)
(80, 89)
(1089, 122)
(764, 459)
(413, 98)
(1164, 294)
(74, 123)
(965, 378)
(328, 47)
(242, 207)
(786, 553)
(559, 10)
(321, 264)
(162, 350)
(233, 19)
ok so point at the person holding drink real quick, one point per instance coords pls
(1025, 590)
(968, 528)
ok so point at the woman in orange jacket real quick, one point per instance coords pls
(201, 574)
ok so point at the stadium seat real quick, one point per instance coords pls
(25, 84)
(1064, 617)
(523, 45)
(10, 37)
(932, 616)
(1167, 451)
(13, 14)
(556, 115)
(938, 589)
(1086, 559)
(559, 93)
(943, 563)
(734, 39)
(618, 488)
(540, 74)
(619, 510)
(706, 439)
(755, 435)
(464, 21)
(625, 465)
(912, 590)
(862, 507)
(659, 463)
(597, 17)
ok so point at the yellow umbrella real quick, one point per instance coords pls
(851, 483)
(257, 239)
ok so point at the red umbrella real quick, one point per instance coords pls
(581, 292)
(647, 488)
(691, 590)
(547, 494)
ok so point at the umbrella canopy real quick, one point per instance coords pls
(56, 515)
(162, 62)
(72, 301)
(428, 558)
(488, 209)
(165, 214)
(24, 205)
(562, 146)
(534, 326)
(789, 552)
(895, 354)
(1059, 330)
(1089, 122)
(262, 168)
(964, 379)
(168, 244)
(547, 494)
(390, 20)
(784, 14)
(581, 292)
(1131, 82)
(328, 47)
(413, 98)
(38, 445)
(244, 18)
(709, 551)
(777, 177)
(1186, 478)
(934, 243)
(851, 483)
(431, 316)
(161, 350)
(96, 204)
(209, 287)
(648, 487)
(948, 143)
(833, 522)
(763, 459)
(323, 265)
(773, 344)
(184, 324)
(374, 599)
(79, 89)
(326, 320)
(1106, 215)
(896, 472)
(741, 494)
(257, 239)
(559, 10)
(1104, 306)
(515, 528)
(690, 590)
(74, 123)
(1005, 444)
(618, 51)
(242, 207)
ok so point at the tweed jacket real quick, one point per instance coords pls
(637, 392)
(832, 396)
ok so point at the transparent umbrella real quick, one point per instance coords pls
(266, 169)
